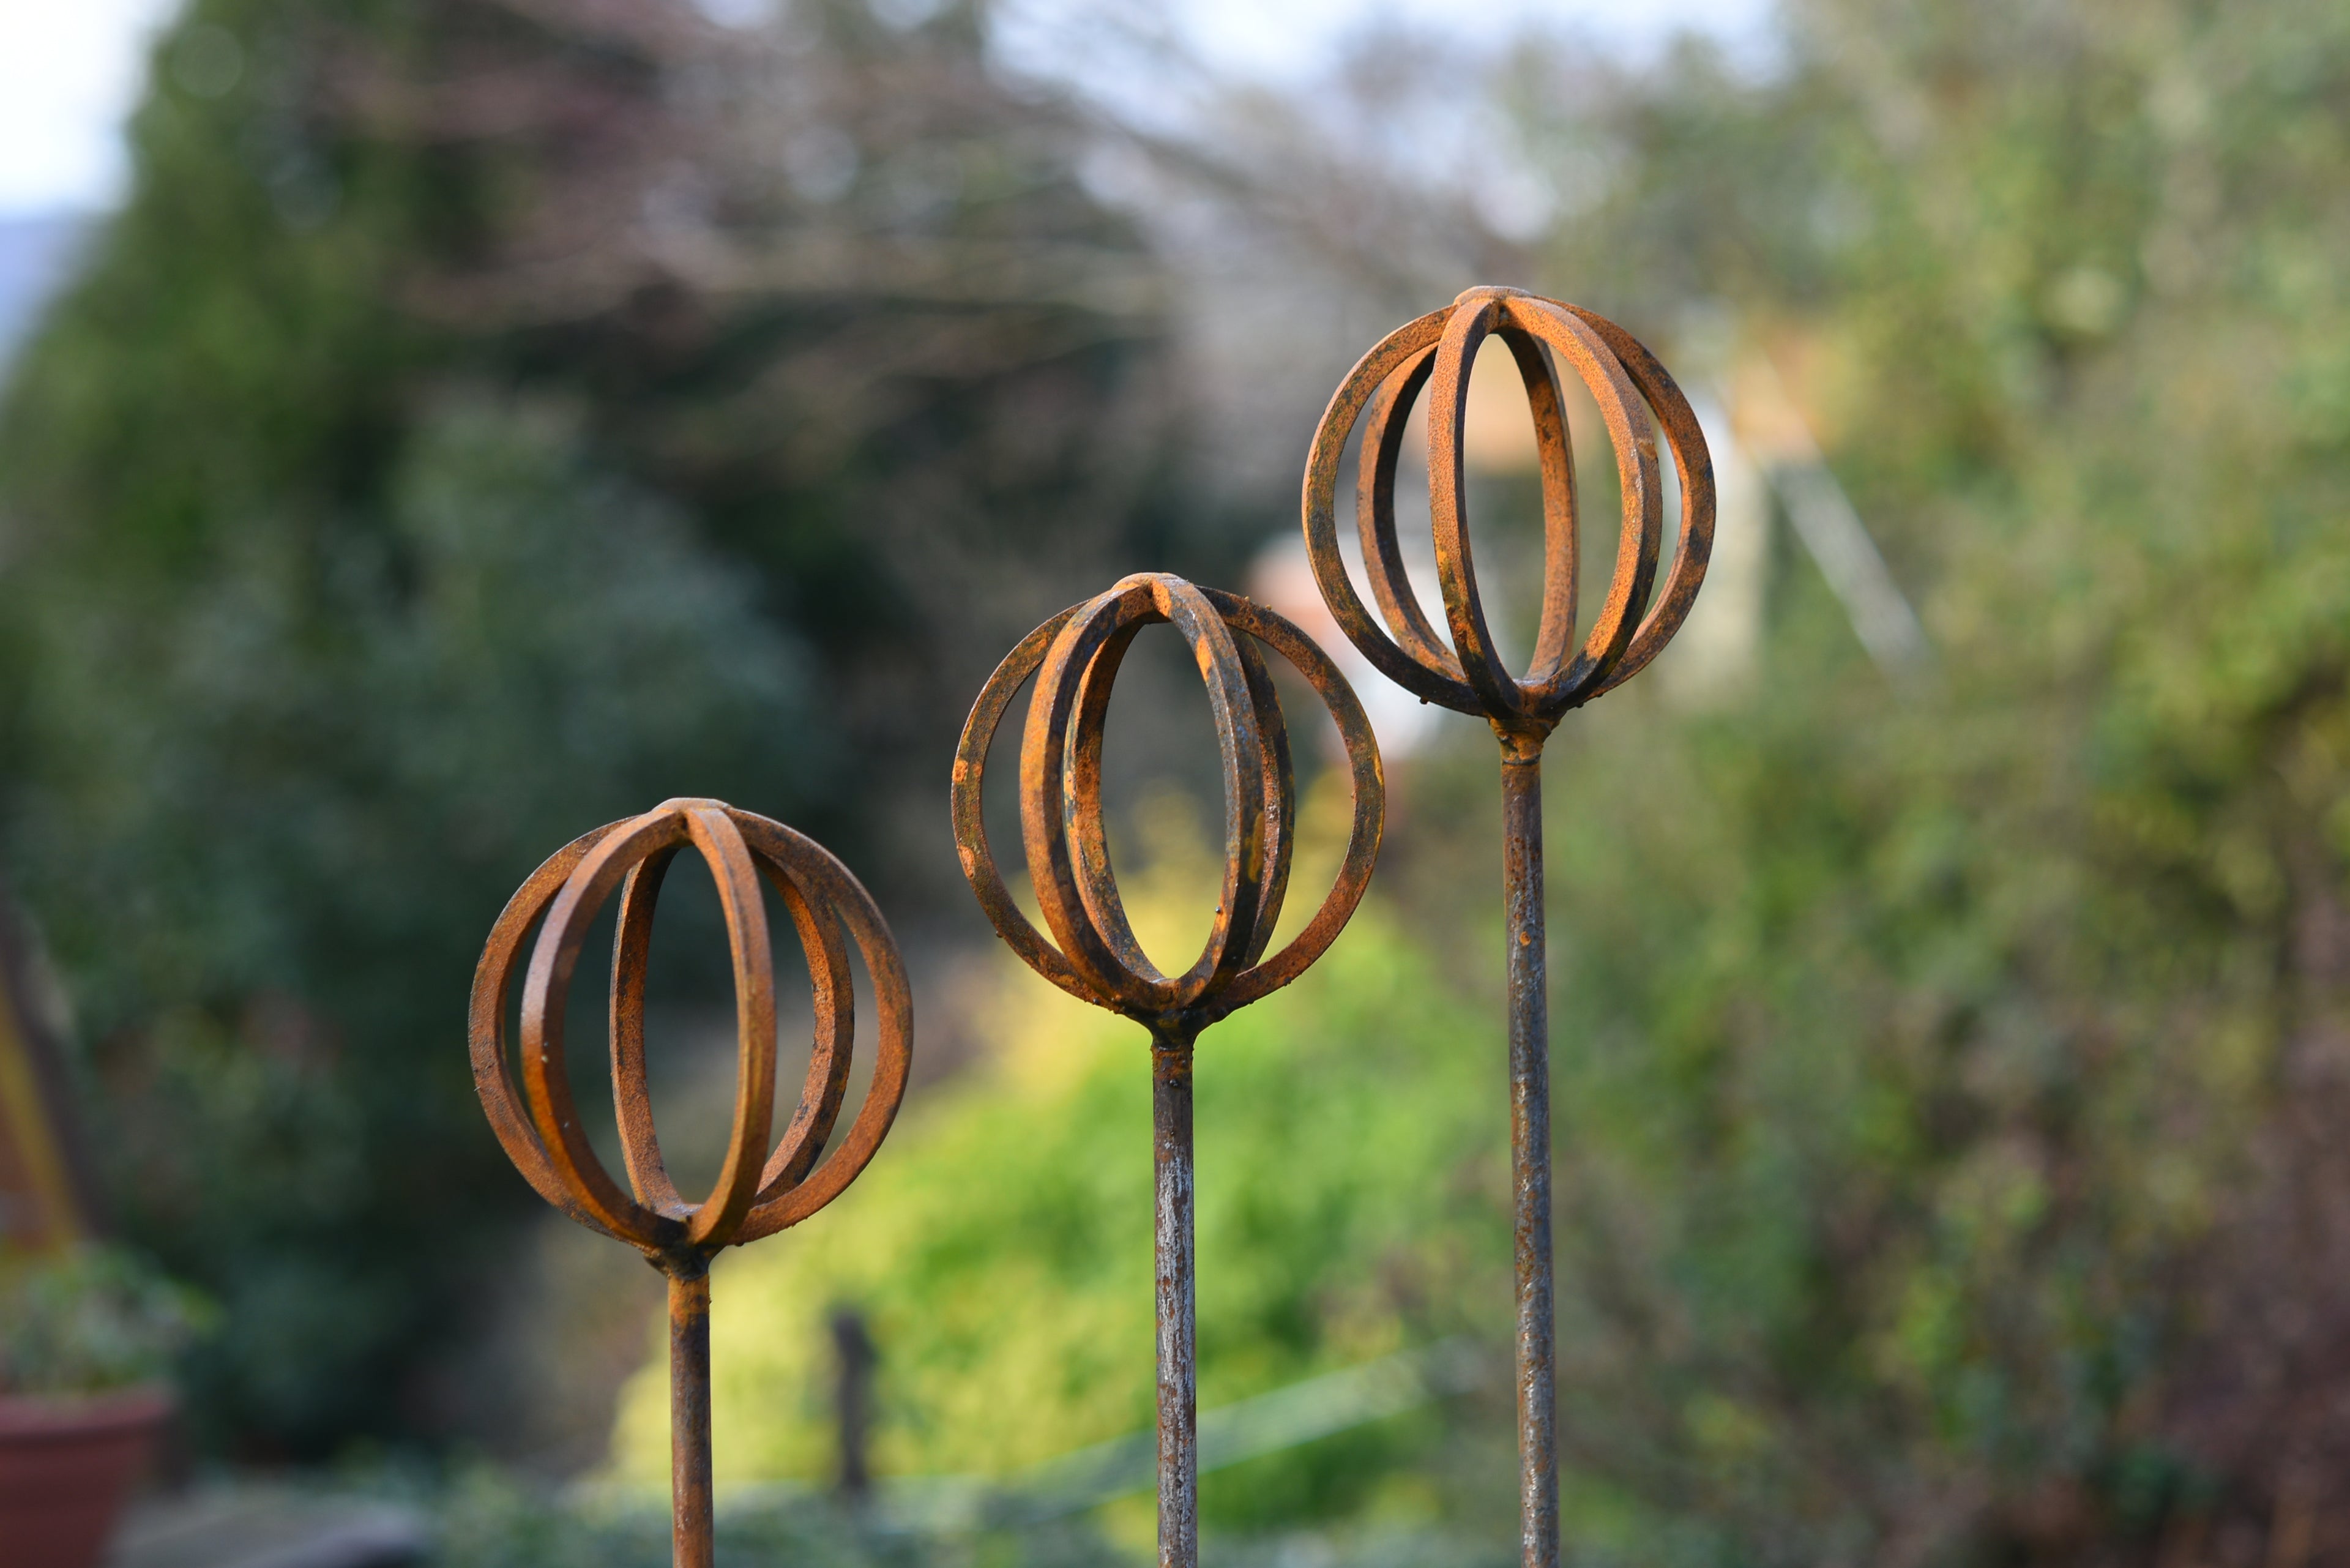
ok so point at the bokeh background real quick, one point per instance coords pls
(445, 425)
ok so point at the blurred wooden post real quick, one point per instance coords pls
(855, 1358)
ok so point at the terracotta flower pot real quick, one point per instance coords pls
(64, 1464)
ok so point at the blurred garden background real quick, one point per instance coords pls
(473, 420)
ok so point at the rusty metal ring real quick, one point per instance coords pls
(757, 1192)
(1075, 657)
(1436, 351)
(1060, 792)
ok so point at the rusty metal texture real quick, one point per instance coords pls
(1466, 673)
(759, 1192)
(1073, 659)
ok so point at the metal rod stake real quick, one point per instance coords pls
(1522, 892)
(1178, 1435)
(757, 1192)
(1074, 657)
(691, 1500)
(1634, 395)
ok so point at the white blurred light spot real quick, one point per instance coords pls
(69, 75)
(1516, 202)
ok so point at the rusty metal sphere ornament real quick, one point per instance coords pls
(758, 1191)
(1075, 659)
(1435, 353)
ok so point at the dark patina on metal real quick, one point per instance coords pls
(759, 1192)
(1075, 657)
(1434, 353)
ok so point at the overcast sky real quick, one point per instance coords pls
(69, 69)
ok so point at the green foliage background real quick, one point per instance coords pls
(1944, 1069)
(1352, 1192)
(1950, 1075)
(464, 435)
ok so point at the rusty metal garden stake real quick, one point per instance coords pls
(758, 1192)
(1436, 351)
(1074, 657)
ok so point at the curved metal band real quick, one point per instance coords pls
(546, 981)
(1060, 792)
(751, 1196)
(832, 888)
(832, 994)
(485, 1030)
(1265, 846)
(1375, 519)
(1365, 778)
(1694, 466)
(1074, 657)
(1430, 681)
(979, 867)
(1634, 440)
(1435, 351)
